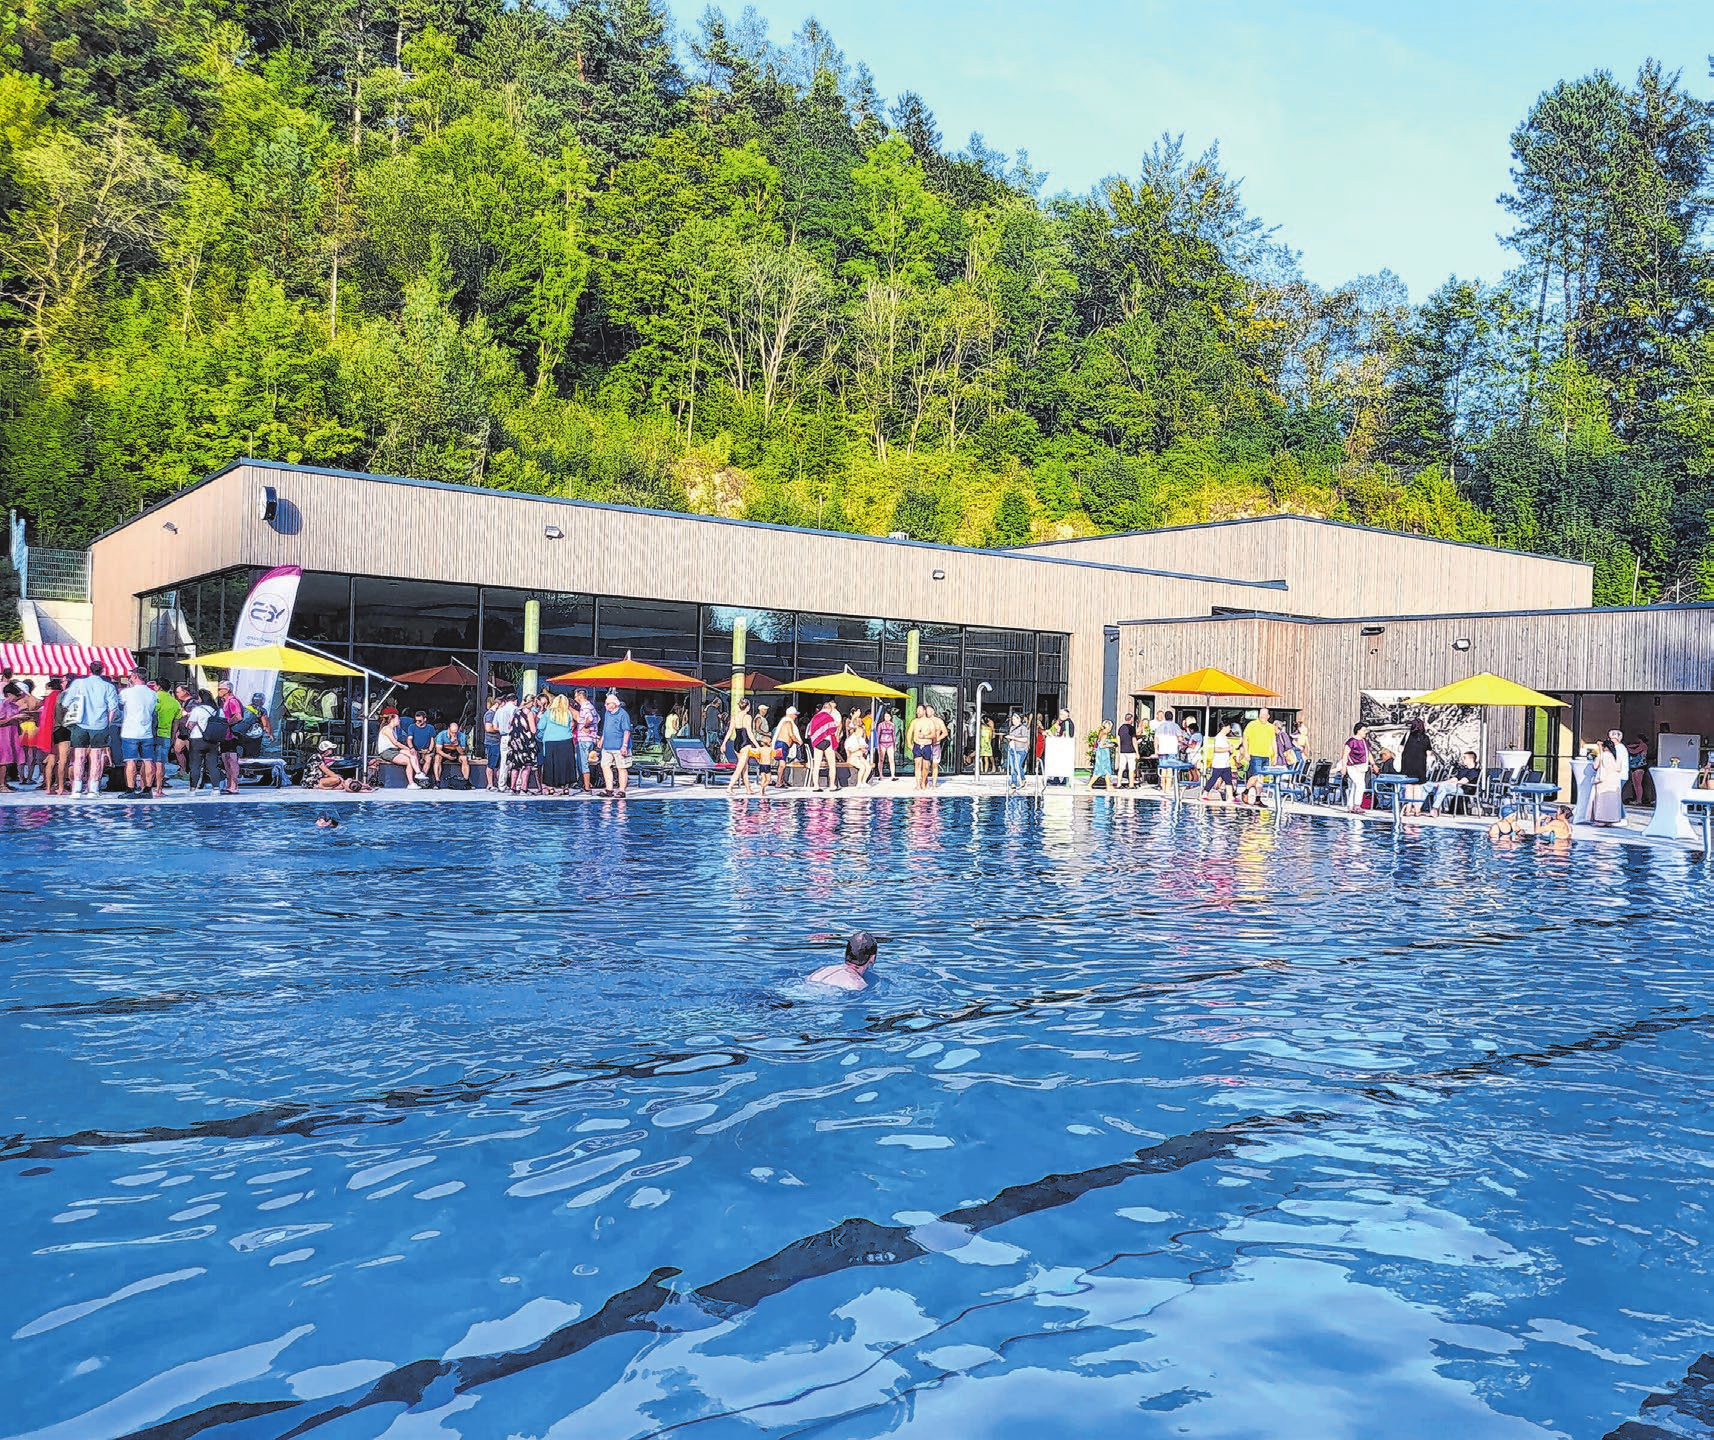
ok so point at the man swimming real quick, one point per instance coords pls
(859, 956)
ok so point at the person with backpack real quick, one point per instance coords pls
(232, 741)
(204, 728)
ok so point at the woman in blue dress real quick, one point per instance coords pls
(1103, 767)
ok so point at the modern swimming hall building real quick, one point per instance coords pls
(401, 574)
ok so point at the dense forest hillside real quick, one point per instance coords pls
(565, 250)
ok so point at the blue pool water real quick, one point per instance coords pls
(519, 1121)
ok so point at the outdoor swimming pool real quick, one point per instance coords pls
(520, 1122)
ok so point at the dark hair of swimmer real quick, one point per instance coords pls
(860, 949)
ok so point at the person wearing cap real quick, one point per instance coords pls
(232, 712)
(615, 746)
(852, 974)
(788, 744)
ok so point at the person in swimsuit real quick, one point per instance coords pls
(823, 740)
(788, 744)
(745, 747)
(884, 750)
(922, 736)
(857, 749)
(853, 973)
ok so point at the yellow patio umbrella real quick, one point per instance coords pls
(845, 682)
(1208, 681)
(290, 659)
(1484, 690)
(275, 657)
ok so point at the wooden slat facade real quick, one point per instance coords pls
(1344, 570)
(366, 525)
(1319, 667)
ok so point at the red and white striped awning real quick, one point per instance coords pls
(47, 660)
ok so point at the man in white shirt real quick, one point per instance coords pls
(1168, 736)
(137, 734)
(503, 716)
(91, 705)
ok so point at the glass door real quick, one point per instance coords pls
(946, 700)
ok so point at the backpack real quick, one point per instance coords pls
(247, 726)
(215, 728)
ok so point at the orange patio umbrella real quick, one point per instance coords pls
(1208, 681)
(629, 674)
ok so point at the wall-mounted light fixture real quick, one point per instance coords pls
(169, 527)
(1374, 630)
(553, 532)
(938, 575)
(1461, 643)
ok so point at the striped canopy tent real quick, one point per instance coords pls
(49, 660)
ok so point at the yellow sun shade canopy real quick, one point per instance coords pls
(273, 657)
(1485, 689)
(1208, 681)
(845, 682)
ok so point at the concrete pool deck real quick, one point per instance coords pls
(649, 792)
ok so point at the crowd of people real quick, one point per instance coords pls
(78, 735)
(64, 740)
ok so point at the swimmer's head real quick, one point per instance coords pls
(326, 822)
(860, 950)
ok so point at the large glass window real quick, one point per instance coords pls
(664, 631)
(416, 613)
(767, 647)
(826, 643)
(1001, 656)
(940, 648)
(1051, 667)
(566, 623)
(211, 608)
(323, 612)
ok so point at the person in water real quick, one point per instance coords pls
(326, 822)
(859, 956)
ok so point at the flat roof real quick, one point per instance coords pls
(1280, 618)
(1307, 520)
(1003, 554)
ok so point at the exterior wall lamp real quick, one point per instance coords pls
(553, 532)
(1461, 643)
(938, 575)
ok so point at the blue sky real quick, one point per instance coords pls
(1372, 134)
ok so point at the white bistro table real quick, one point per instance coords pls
(1671, 784)
(1583, 773)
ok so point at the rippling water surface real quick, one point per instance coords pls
(519, 1121)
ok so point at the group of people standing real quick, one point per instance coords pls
(64, 740)
(863, 744)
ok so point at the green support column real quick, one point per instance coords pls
(740, 636)
(532, 643)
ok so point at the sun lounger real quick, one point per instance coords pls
(690, 757)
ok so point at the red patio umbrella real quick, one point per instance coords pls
(751, 682)
(452, 673)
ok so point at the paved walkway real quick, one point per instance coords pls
(649, 792)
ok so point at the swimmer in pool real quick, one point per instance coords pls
(859, 956)
(326, 822)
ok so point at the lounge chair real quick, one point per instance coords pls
(690, 757)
